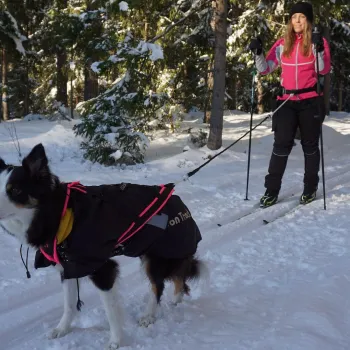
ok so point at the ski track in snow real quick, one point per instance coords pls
(278, 286)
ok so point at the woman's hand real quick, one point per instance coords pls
(256, 46)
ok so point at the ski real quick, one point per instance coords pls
(289, 203)
(285, 213)
(255, 208)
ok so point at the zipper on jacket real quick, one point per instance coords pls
(296, 68)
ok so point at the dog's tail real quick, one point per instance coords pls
(198, 270)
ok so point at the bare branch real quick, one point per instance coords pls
(11, 129)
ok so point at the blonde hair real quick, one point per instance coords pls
(290, 38)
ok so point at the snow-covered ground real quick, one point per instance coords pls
(285, 285)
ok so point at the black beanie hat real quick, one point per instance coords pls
(303, 7)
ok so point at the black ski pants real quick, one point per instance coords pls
(293, 114)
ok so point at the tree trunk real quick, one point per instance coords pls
(218, 99)
(90, 77)
(90, 83)
(5, 111)
(210, 71)
(27, 92)
(62, 77)
(62, 69)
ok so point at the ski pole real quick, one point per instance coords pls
(250, 128)
(317, 39)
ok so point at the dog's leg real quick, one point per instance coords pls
(156, 277)
(105, 279)
(110, 303)
(179, 290)
(151, 308)
(70, 299)
(189, 269)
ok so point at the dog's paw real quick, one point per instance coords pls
(145, 321)
(58, 332)
(112, 345)
(178, 299)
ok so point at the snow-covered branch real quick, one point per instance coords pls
(196, 7)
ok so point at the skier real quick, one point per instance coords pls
(296, 54)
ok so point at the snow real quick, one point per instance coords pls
(284, 285)
(18, 43)
(110, 138)
(157, 52)
(117, 154)
(116, 59)
(18, 38)
(33, 116)
(344, 25)
(94, 67)
(123, 6)
(142, 47)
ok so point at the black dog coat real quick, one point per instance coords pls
(160, 222)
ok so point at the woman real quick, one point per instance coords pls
(296, 54)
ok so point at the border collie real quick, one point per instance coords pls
(80, 228)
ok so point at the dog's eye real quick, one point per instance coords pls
(16, 191)
(13, 190)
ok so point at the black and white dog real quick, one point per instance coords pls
(80, 228)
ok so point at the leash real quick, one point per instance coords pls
(193, 172)
(26, 262)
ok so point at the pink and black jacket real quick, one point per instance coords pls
(298, 71)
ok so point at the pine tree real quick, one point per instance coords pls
(113, 123)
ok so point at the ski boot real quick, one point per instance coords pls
(268, 199)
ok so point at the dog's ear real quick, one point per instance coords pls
(36, 161)
(2, 165)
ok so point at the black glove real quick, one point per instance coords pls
(320, 47)
(317, 40)
(256, 46)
